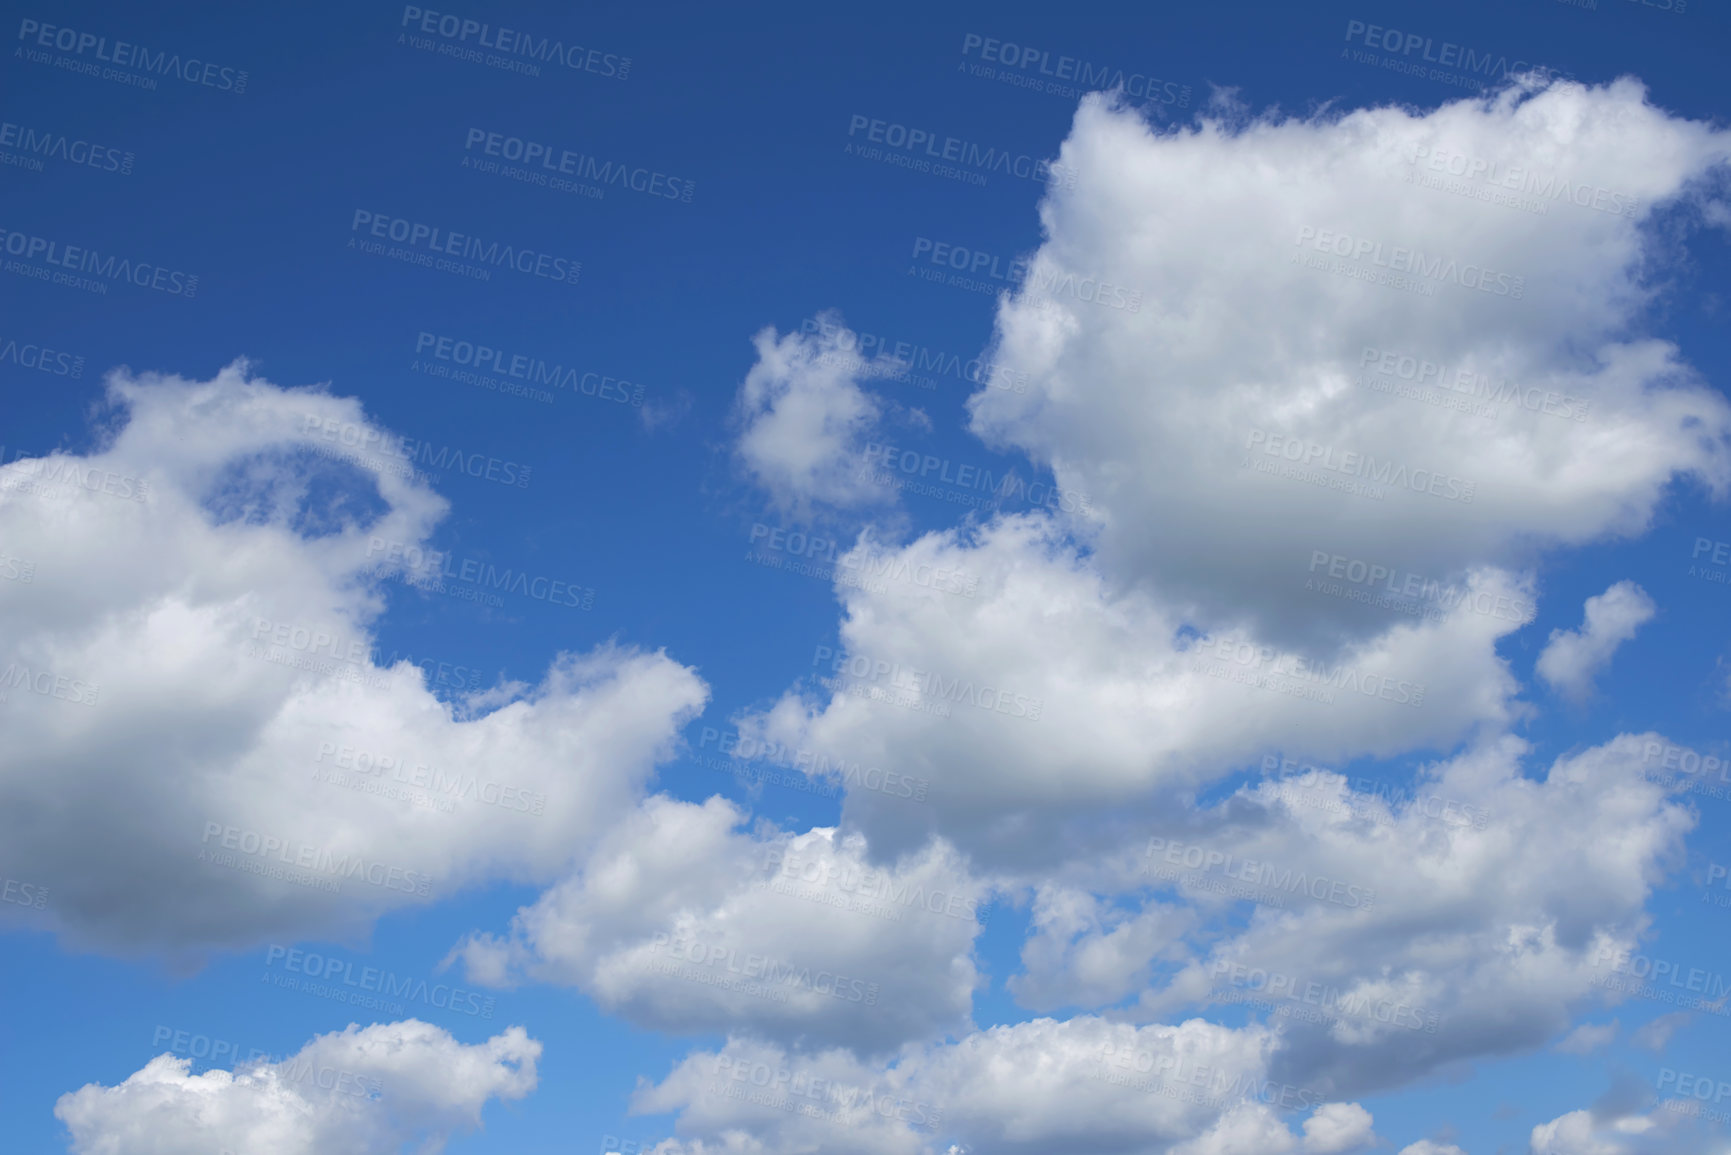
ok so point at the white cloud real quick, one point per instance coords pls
(1159, 414)
(1336, 1128)
(1430, 1147)
(1587, 1038)
(360, 1091)
(144, 806)
(682, 922)
(1573, 658)
(803, 420)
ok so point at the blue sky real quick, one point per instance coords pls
(660, 477)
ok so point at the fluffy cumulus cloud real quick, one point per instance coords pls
(354, 1092)
(803, 420)
(1049, 702)
(1328, 355)
(1573, 658)
(1035, 1088)
(1674, 1128)
(203, 744)
(684, 922)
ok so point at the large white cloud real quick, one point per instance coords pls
(360, 1091)
(1162, 414)
(200, 668)
(682, 922)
